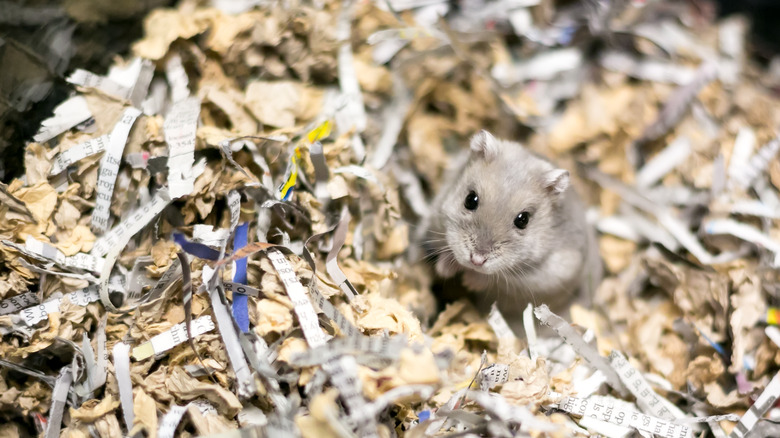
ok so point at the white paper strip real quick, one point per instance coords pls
(180, 127)
(227, 330)
(499, 324)
(177, 79)
(621, 413)
(745, 232)
(745, 174)
(59, 398)
(504, 411)
(36, 314)
(17, 303)
(740, 154)
(530, 332)
(647, 399)
(170, 421)
(176, 335)
(109, 169)
(568, 334)
(307, 317)
(66, 115)
(765, 401)
(78, 152)
(670, 157)
(353, 113)
(122, 370)
(83, 261)
(492, 375)
(84, 78)
(207, 235)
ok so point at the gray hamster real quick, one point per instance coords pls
(511, 223)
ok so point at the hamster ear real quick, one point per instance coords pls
(484, 145)
(556, 181)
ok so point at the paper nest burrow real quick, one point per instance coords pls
(281, 124)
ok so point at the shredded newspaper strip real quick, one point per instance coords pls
(35, 314)
(109, 169)
(180, 128)
(171, 338)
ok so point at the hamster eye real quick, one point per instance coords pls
(521, 221)
(472, 201)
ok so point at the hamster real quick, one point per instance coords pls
(511, 223)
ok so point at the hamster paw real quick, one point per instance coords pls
(475, 282)
(446, 265)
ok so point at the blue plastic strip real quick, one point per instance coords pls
(196, 249)
(240, 301)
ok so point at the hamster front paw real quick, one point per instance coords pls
(446, 265)
(475, 282)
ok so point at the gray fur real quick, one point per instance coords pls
(547, 262)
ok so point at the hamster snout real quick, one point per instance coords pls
(478, 259)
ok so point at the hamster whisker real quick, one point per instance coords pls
(433, 254)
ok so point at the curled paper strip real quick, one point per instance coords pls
(745, 232)
(332, 264)
(321, 172)
(327, 308)
(98, 372)
(109, 169)
(170, 421)
(197, 249)
(343, 373)
(492, 375)
(168, 277)
(131, 226)
(285, 189)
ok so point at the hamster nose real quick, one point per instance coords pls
(478, 259)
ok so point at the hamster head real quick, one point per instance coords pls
(500, 216)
